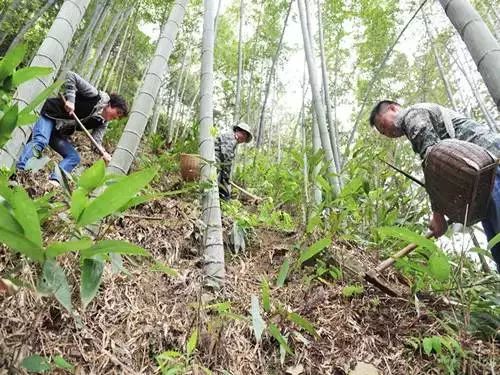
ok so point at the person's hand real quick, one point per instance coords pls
(438, 224)
(69, 107)
(106, 157)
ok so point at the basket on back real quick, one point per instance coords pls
(459, 177)
(190, 167)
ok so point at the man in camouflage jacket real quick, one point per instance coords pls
(225, 147)
(424, 125)
(54, 127)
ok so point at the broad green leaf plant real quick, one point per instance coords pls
(11, 77)
(21, 230)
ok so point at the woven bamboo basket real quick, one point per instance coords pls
(459, 177)
(190, 167)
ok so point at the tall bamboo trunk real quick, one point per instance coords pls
(463, 67)
(483, 47)
(50, 54)
(144, 101)
(177, 116)
(156, 111)
(439, 64)
(213, 247)
(260, 131)
(124, 23)
(171, 123)
(90, 29)
(7, 13)
(83, 62)
(125, 62)
(305, 169)
(237, 104)
(89, 71)
(192, 112)
(326, 92)
(126, 36)
(318, 196)
(318, 107)
(28, 25)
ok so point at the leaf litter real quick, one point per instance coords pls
(140, 314)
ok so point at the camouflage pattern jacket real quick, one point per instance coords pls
(425, 124)
(225, 146)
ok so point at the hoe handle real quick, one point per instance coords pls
(401, 253)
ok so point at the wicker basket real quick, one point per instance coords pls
(459, 177)
(190, 167)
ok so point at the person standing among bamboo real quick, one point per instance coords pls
(225, 147)
(54, 127)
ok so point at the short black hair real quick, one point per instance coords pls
(118, 101)
(380, 108)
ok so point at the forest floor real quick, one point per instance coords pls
(142, 313)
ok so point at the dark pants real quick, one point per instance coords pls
(491, 224)
(224, 186)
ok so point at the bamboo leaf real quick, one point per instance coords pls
(283, 273)
(303, 323)
(29, 73)
(8, 222)
(409, 236)
(439, 267)
(314, 249)
(57, 248)
(79, 201)
(192, 342)
(25, 213)
(17, 242)
(93, 177)
(91, 271)
(160, 267)
(11, 60)
(116, 196)
(275, 332)
(436, 344)
(53, 281)
(8, 122)
(427, 345)
(494, 241)
(257, 322)
(60, 362)
(266, 301)
(36, 363)
(113, 246)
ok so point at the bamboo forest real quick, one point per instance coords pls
(250, 187)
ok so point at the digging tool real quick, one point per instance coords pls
(87, 133)
(258, 199)
(372, 276)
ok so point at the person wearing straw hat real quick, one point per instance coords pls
(225, 147)
(56, 124)
(425, 125)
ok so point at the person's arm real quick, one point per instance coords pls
(74, 83)
(418, 128)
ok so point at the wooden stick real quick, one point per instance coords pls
(246, 192)
(87, 133)
(403, 252)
